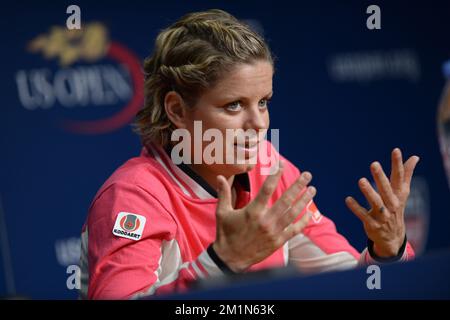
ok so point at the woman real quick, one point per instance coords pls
(155, 226)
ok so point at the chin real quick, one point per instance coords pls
(245, 167)
(229, 170)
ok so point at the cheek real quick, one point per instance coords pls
(267, 118)
(209, 117)
(221, 122)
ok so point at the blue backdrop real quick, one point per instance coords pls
(344, 96)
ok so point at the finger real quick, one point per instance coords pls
(357, 209)
(291, 195)
(374, 199)
(290, 216)
(224, 195)
(384, 186)
(410, 165)
(397, 170)
(266, 191)
(295, 228)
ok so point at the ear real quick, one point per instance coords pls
(176, 109)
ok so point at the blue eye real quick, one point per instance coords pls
(263, 103)
(234, 106)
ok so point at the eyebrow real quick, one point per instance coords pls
(239, 98)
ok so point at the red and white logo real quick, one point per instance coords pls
(84, 80)
(129, 225)
(315, 213)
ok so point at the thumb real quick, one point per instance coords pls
(224, 195)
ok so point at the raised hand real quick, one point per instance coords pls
(249, 235)
(384, 222)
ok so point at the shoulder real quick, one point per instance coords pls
(137, 185)
(142, 172)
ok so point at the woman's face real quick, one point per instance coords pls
(238, 101)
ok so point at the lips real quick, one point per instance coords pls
(247, 145)
(249, 149)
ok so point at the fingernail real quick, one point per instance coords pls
(307, 176)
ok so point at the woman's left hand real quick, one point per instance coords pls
(384, 223)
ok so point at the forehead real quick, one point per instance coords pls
(244, 80)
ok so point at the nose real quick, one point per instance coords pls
(256, 119)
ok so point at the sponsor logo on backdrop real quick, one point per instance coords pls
(366, 67)
(88, 82)
(68, 251)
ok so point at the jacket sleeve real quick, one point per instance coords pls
(129, 249)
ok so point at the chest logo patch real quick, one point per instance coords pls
(315, 213)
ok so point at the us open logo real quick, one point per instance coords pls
(129, 225)
(80, 80)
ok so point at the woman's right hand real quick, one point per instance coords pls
(249, 235)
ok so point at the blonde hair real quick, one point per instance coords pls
(189, 57)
